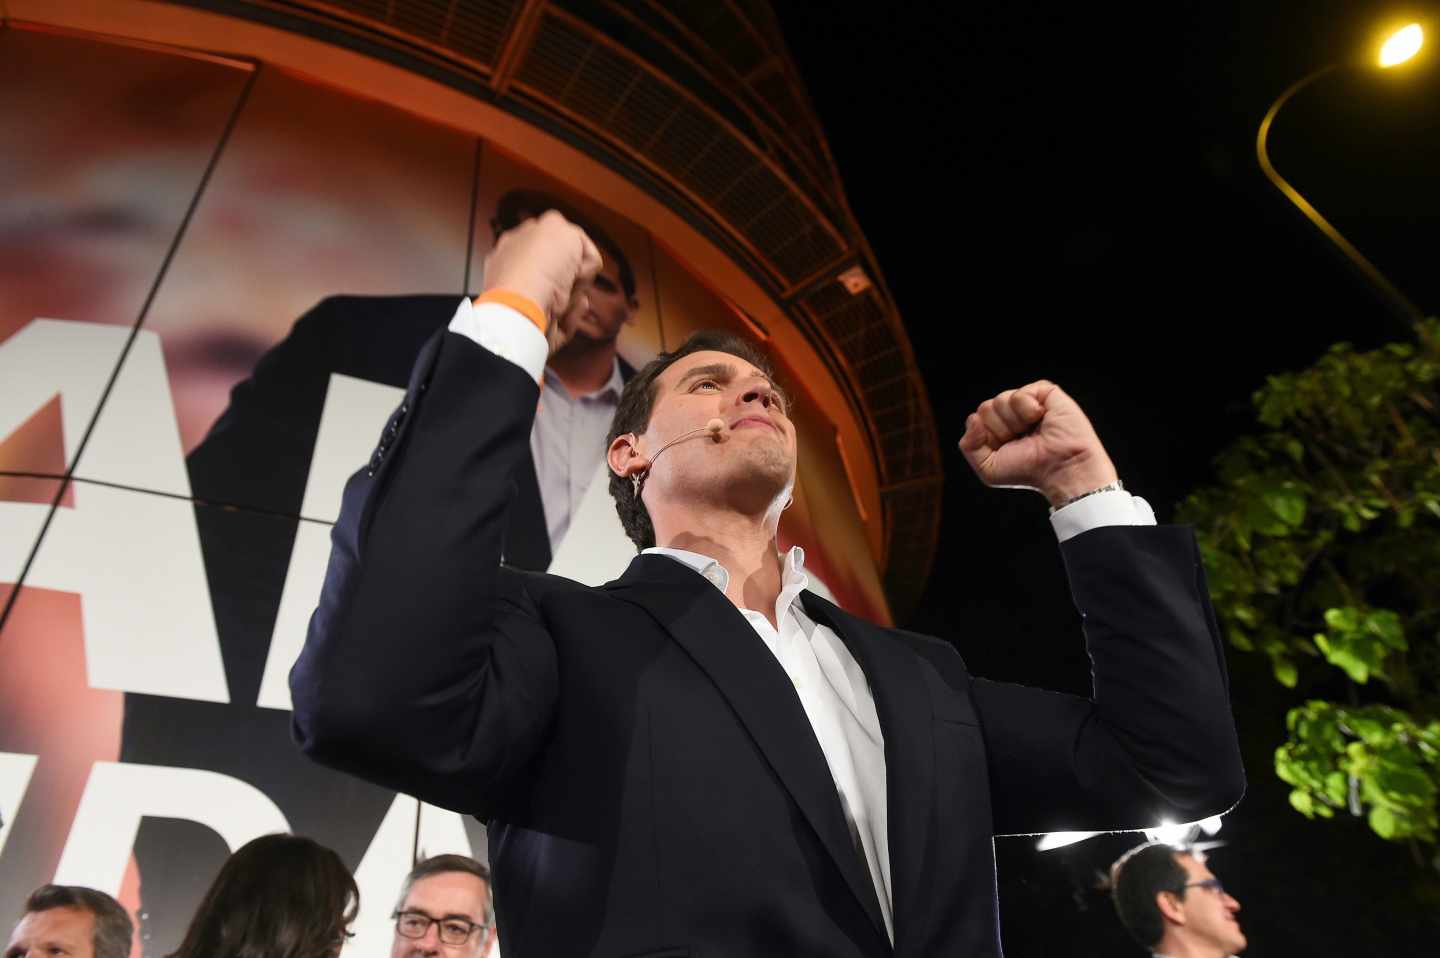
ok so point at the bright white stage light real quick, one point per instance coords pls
(1167, 831)
(1061, 839)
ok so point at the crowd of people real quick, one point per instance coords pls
(279, 896)
(285, 896)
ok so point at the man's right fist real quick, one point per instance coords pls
(548, 260)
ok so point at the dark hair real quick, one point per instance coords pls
(279, 896)
(637, 402)
(516, 206)
(113, 928)
(1136, 878)
(442, 864)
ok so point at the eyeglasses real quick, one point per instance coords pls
(1209, 884)
(453, 931)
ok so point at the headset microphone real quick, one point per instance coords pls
(715, 429)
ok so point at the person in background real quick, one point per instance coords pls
(583, 380)
(444, 909)
(72, 921)
(279, 896)
(1171, 903)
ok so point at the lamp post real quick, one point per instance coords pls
(1400, 47)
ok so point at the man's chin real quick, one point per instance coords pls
(592, 336)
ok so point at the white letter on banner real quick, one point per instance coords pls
(596, 548)
(119, 794)
(134, 558)
(15, 772)
(355, 412)
(442, 832)
(383, 869)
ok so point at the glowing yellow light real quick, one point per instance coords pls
(1402, 45)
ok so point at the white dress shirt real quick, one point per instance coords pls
(837, 700)
(568, 445)
(830, 684)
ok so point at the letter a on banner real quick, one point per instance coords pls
(133, 557)
(355, 412)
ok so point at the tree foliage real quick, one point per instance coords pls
(1321, 537)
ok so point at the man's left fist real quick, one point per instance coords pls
(1036, 437)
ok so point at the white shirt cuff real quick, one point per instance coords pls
(1114, 508)
(506, 332)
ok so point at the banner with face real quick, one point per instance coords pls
(214, 278)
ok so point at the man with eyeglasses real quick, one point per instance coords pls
(444, 909)
(1171, 903)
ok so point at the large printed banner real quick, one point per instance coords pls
(214, 278)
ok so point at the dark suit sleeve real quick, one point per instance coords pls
(1156, 740)
(426, 667)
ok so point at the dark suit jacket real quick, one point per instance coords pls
(651, 782)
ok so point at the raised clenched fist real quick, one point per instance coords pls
(1036, 437)
(548, 260)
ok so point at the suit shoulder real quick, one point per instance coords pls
(542, 586)
(412, 307)
(939, 653)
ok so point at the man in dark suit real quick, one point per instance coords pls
(701, 757)
(257, 457)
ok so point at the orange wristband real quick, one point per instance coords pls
(521, 304)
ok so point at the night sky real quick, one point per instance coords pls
(1070, 191)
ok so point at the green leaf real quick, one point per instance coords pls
(1301, 801)
(1285, 672)
(1370, 731)
(1337, 787)
(1287, 502)
(1383, 822)
(1385, 624)
(1344, 619)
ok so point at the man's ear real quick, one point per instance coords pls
(1172, 909)
(624, 456)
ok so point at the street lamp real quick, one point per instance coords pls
(1398, 48)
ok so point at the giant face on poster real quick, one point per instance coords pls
(210, 303)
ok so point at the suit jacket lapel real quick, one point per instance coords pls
(725, 646)
(905, 719)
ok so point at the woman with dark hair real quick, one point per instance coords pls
(279, 896)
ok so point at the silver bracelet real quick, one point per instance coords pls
(1116, 486)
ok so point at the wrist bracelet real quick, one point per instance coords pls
(1116, 486)
(521, 304)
